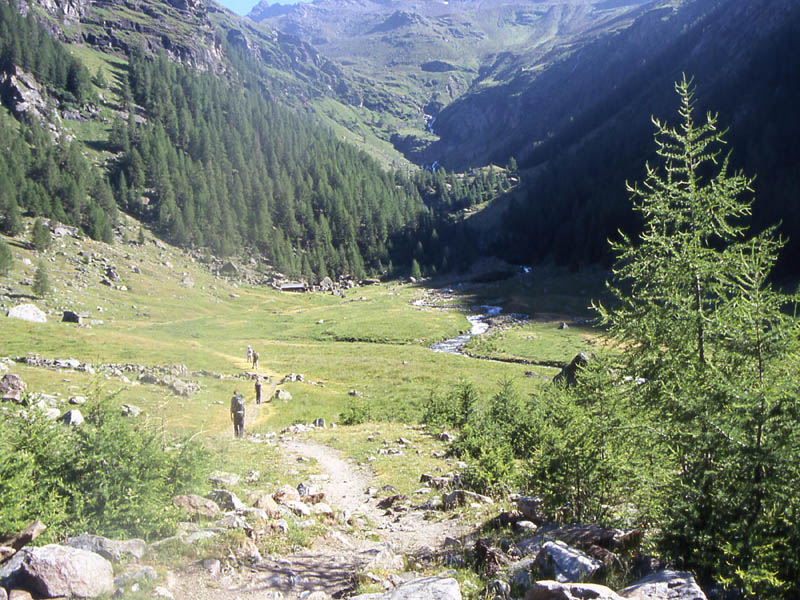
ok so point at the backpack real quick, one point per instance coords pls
(238, 404)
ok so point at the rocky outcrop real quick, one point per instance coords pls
(22, 94)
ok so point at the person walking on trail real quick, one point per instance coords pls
(237, 414)
(255, 359)
(249, 354)
(258, 390)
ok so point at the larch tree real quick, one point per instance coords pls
(698, 319)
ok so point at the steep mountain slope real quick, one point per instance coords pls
(429, 54)
(744, 60)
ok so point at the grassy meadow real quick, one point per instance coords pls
(368, 349)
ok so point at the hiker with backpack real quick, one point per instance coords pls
(237, 414)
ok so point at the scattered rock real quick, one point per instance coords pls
(665, 585)
(267, 504)
(226, 499)
(223, 480)
(286, 494)
(12, 387)
(461, 497)
(428, 588)
(559, 561)
(197, 505)
(553, 590)
(113, 550)
(134, 576)
(282, 395)
(391, 500)
(131, 410)
(532, 508)
(72, 418)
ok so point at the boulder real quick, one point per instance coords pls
(130, 577)
(52, 571)
(383, 558)
(569, 374)
(283, 395)
(532, 508)
(28, 312)
(301, 509)
(286, 494)
(130, 410)
(461, 497)
(222, 480)
(72, 418)
(70, 316)
(267, 504)
(12, 387)
(226, 499)
(197, 505)
(665, 585)
(566, 564)
(554, 590)
(427, 588)
(113, 550)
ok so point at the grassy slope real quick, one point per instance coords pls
(373, 341)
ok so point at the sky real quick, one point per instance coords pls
(243, 7)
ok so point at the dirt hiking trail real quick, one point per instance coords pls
(376, 539)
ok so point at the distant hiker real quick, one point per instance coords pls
(255, 359)
(249, 354)
(258, 390)
(237, 414)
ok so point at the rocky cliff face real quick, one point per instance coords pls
(180, 28)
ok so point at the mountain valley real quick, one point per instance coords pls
(399, 299)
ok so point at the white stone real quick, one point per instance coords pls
(28, 312)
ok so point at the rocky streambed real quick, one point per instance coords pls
(480, 324)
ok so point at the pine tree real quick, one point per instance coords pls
(41, 281)
(40, 236)
(416, 273)
(6, 258)
(701, 323)
(12, 224)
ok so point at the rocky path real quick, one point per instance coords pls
(349, 547)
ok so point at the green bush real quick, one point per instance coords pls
(111, 475)
(357, 411)
(455, 409)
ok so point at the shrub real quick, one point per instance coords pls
(111, 475)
